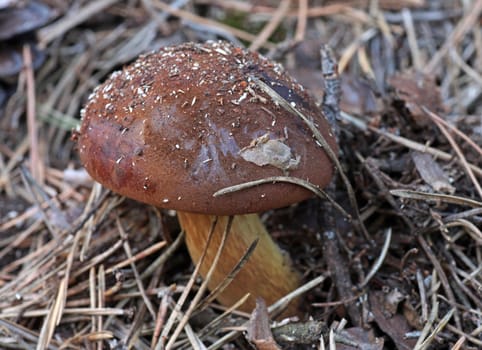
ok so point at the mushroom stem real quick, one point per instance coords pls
(268, 273)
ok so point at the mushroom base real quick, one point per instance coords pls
(268, 273)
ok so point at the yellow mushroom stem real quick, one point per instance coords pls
(268, 273)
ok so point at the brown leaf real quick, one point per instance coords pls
(259, 332)
(432, 173)
(358, 96)
(363, 338)
(394, 325)
(412, 316)
(416, 91)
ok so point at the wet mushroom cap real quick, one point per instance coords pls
(179, 124)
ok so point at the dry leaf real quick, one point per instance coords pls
(363, 338)
(395, 325)
(416, 91)
(259, 332)
(432, 173)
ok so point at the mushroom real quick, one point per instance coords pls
(179, 124)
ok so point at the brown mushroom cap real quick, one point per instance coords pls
(178, 125)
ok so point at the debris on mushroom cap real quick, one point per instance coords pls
(265, 151)
(178, 125)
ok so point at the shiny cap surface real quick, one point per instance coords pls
(179, 124)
